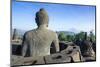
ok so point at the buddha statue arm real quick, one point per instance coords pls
(24, 46)
(56, 43)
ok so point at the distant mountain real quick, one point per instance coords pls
(66, 32)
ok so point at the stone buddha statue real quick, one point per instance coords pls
(37, 42)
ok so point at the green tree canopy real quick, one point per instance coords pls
(80, 36)
(62, 36)
(69, 37)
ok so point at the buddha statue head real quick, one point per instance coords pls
(42, 18)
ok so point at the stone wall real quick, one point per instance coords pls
(69, 53)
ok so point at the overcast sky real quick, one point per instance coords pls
(63, 17)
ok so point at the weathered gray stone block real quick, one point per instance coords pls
(34, 61)
(76, 57)
(73, 52)
(89, 58)
(57, 58)
(19, 60)
(16, 60)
